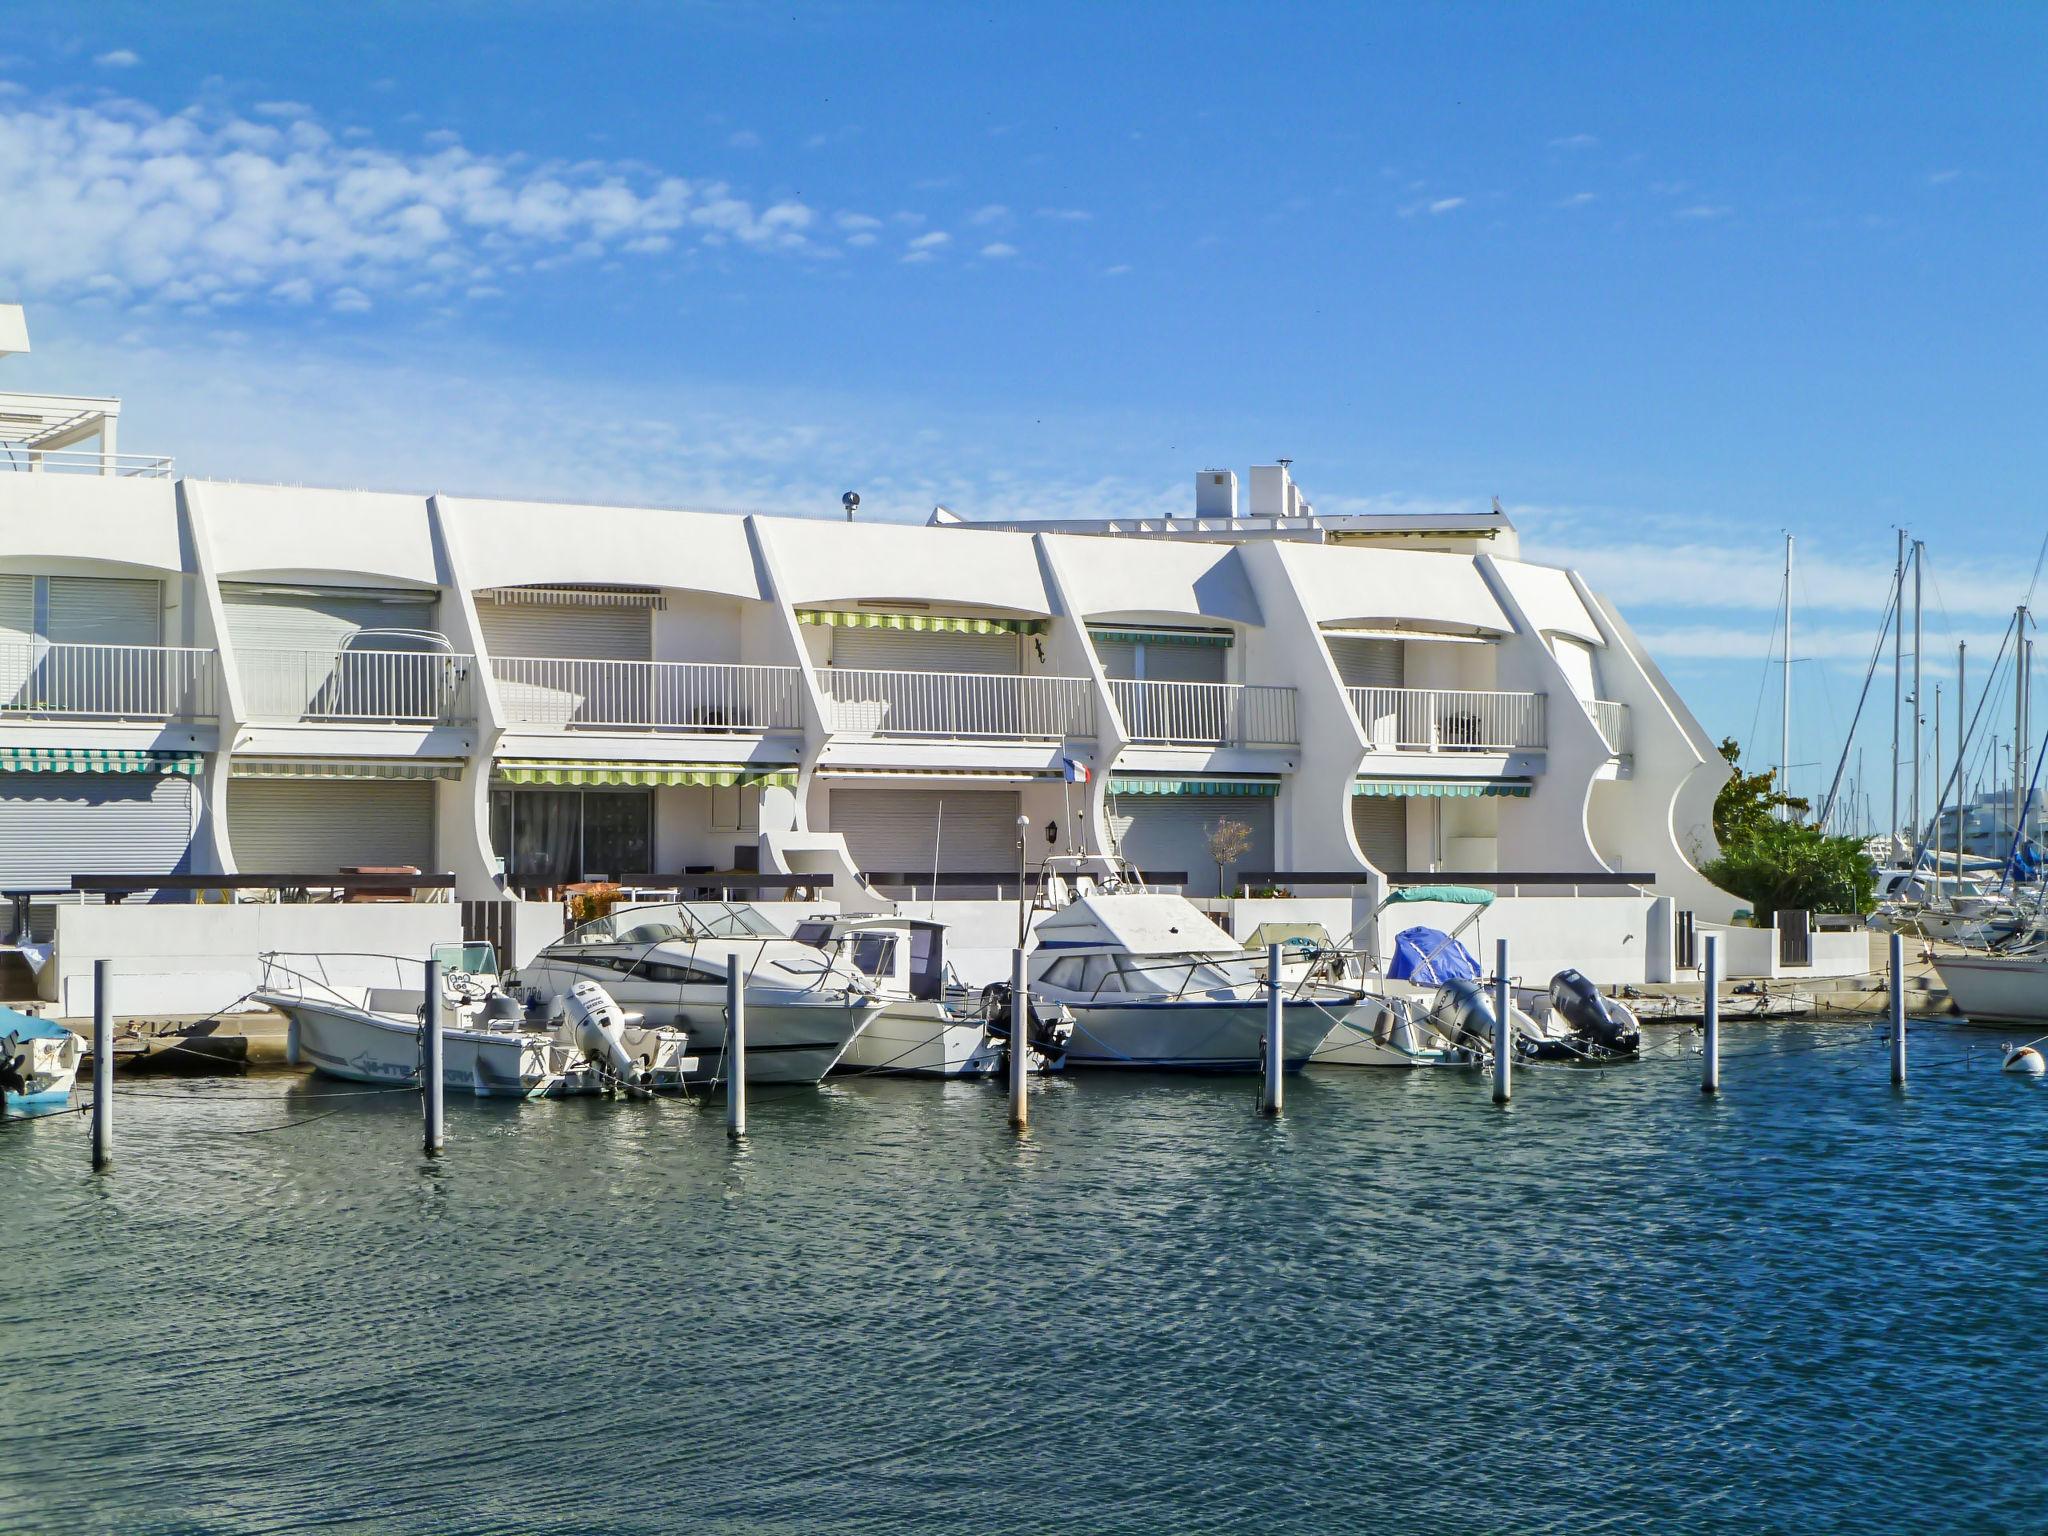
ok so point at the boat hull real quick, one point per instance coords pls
(361, 1047)
(1996, 989)
(51, 1069)
(916, 1040)
(1369, 1035)
(1183, 1035)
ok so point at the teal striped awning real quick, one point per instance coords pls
(1119, 784)
(1442, 789)
(98, 760)
(1163, 636)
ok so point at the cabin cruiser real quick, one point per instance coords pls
(668, 962)
(932, 1025)
(1997, 989)
(494, 1043)
(1154, 984)
(38, 1064)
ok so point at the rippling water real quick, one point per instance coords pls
(1615, 1306)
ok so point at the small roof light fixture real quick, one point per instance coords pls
(850, 501)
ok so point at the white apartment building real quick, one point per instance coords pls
(212, 677)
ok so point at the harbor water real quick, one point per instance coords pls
(1809, 1304)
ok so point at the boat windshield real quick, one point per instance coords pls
(1188, 975)
(729, 920)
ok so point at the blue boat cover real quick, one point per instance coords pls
(26, 1026)
(1430, 957)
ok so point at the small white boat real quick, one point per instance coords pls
(1997, 989)
(667, 962)
(1154, 985)
(931, 1025)
(38, 1064)
(493, 1044)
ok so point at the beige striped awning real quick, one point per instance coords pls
(346, 768)
(559, 774)
(930, 623)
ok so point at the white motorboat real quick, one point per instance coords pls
(932, 1025)
(668, 963)
(38, 1064)
(1153, 984)
(1997, 989)
(494, 1045)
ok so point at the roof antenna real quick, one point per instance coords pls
(850, 501)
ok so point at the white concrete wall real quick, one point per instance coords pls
(521, 543)
(331, 537)
(90, 525)
(185, 958)
(1751, 954)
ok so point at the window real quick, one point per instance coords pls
(1064, 973)
(550, 837)
(667, 975)
(874, 954)
(1099, 974)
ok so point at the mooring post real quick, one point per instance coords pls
(1898, 958)
(431, 1047)
(102, 1063)
(1020, 1041)
(1710, 1016)
(735, 1049)
(1503, 1028)
(1276, 1008)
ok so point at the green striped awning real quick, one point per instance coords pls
(562, 775)
(837, 618)
(98, 760)
(1122, 785)
(1443, 789)
(345, 768)
(1163, 636)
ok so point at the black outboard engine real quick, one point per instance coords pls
(1579, 1003)
(1048, 1027)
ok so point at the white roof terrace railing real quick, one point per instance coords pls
(357, 686)
(1205, 714)
(561, 693)
(957, 704)
(1612, 719)
(83, 461)
(1450, 719)
(39, 680)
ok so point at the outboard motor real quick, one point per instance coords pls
(596, 1025)
(1048, 1026)
(1462, 1014)
(1579, 1003)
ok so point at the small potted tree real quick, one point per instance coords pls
(1229, 841)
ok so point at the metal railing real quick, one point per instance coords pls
(646, 695)
(1204, 714)
(83, 461)
(1449, 719)
(957, 704)
(1612, 719)
(413, 687)
(107, 682)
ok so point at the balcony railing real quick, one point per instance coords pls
(566, 694)
(107, 682)
(1449, 719)
(396, 687)
(868, 703)
(84, 461)
(1612, 719)
(1205, 714)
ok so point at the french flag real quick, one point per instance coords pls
(1076, 771)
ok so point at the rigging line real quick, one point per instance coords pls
(1920, 839)
(1763, 682)
(1870, 672)
(2034, 580)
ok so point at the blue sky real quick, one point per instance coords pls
(1667, 281)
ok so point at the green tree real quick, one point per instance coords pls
(1778, 864)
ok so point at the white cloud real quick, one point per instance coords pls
(118, 58)
(931, 241)
(1704, 212)
(1119, 270)
(1446, 204)
(1575, 141)
(863, 238)
(1577, 200)
(997, 250)
(1066, 215)
(746, 138)
(1941, 178)
(286, 109)
(206, 206)
(993, 213)
(856, 221)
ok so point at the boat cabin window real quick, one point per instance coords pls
(1064, 973)
(1099, 974)
(665, 974)
(874, 954)
(813, 932)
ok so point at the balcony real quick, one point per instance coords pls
(107, 682)
(1205, 714)
(957, 704)
(1612, 719)
(697, 697)
(1449, 719)
(357, 687)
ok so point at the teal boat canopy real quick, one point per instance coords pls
(1462, 895)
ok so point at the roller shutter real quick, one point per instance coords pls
(1171, 832)
(311, 619)
(577, 633)
(1119, 658)
(1380, 823)
(893, 829)
(94, 610)
(1367, 663)
(56, 825)
(17, 637)
(895, 650)
(1169, 663)
(311, 826)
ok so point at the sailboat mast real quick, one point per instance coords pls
(1898, 676)
(1962, 744)
(1785, 695)
(1919, 714)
